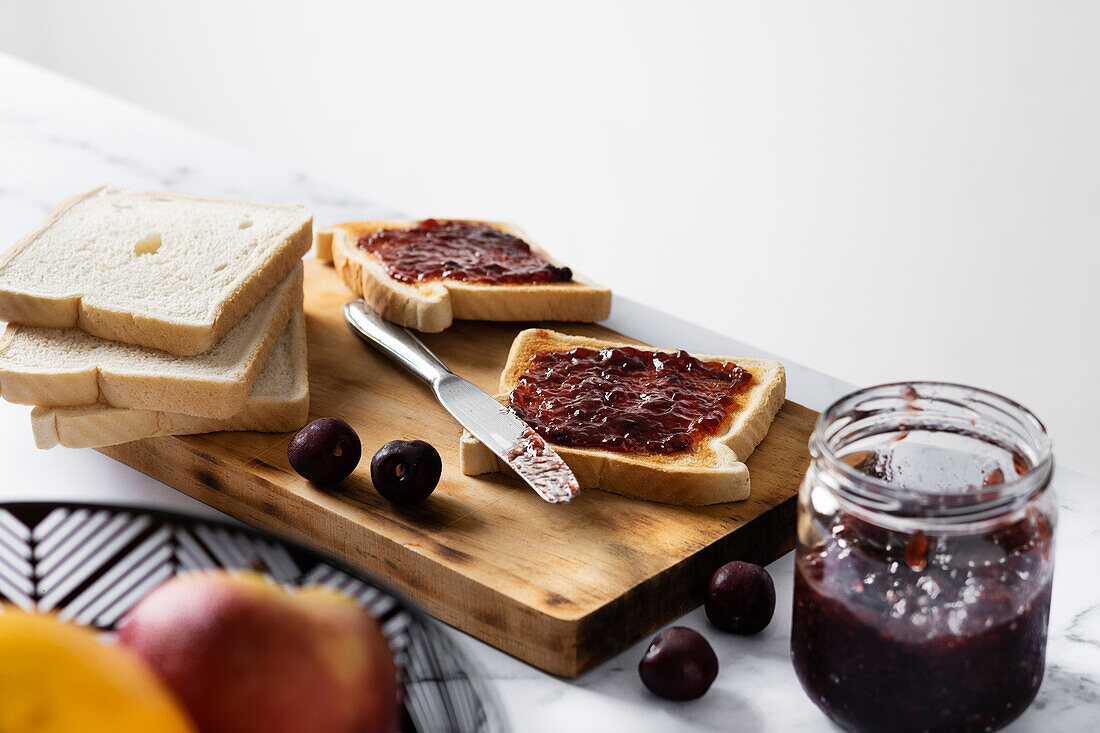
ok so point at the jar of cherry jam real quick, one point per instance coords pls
(924, 560)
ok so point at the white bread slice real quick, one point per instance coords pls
(712, 472)
(162, 270)
(432, 306)
(278, 402)
(62, 367)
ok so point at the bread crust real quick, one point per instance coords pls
(214, 397)
(173, 336)
(713, 472)
(432, 306)
(66, 427)
(94, 426)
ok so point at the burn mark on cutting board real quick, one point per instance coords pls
(556, 599)
(207, 479)
(451, 553)
(271, 509)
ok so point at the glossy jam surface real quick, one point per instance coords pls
(896, 632)
(625, 399)
(459, 250)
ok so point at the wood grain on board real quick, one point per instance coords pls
(562, 587)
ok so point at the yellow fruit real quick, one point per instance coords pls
(58, 678)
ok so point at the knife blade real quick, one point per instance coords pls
(502, 432)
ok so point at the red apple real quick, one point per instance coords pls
(245, 655)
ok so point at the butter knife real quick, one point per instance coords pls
(511, 439)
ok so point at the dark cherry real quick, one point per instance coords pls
(406, 471)
(679, 665)
(741, 598)
(325, 451)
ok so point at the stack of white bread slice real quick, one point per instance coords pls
(138, 314)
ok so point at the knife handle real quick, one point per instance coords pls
(397, 342)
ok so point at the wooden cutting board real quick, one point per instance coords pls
(562, 587)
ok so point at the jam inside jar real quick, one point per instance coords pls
(924, 560)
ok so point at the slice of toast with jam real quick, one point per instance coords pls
(423, 274)
(646, 423)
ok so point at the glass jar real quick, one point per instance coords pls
(924, 560)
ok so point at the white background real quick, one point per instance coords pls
(879, 190)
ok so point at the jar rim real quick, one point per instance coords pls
(884, 496)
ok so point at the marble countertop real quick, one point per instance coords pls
(58, 137)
